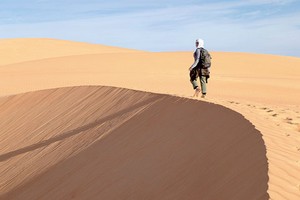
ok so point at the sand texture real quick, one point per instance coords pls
(84, 121)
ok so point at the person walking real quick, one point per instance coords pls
(195, 70)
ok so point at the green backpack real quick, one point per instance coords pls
(205, 59)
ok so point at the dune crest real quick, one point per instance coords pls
(112, 143)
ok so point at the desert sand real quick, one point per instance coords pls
(88, 121)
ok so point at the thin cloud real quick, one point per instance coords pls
(276, 2)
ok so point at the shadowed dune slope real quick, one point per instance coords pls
(110, 143)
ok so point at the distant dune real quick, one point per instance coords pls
(21, 50)
(110, 143)
(67, 128)
(271, 79)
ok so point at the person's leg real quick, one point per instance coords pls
(194, 75)
(203, 85)
(195, 84)
(193, 78)
(197, 91)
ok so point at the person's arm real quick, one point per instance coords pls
(197, 59)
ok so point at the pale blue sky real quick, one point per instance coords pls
(257, 26)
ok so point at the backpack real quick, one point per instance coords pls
(205, 59)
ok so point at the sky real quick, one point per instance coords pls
(253, 26)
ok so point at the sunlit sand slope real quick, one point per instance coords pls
(21, 50)
(267, 79)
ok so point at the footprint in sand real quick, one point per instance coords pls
(287, 134)
(233, 102)
(275, 115)
(253, 106)
(288, 120)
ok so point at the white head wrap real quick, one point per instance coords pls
(200, 43)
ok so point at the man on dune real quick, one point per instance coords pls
(196, 70)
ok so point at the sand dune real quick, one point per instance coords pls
(21, 50)
(110, 143)
(162, 73)
(265, 89)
